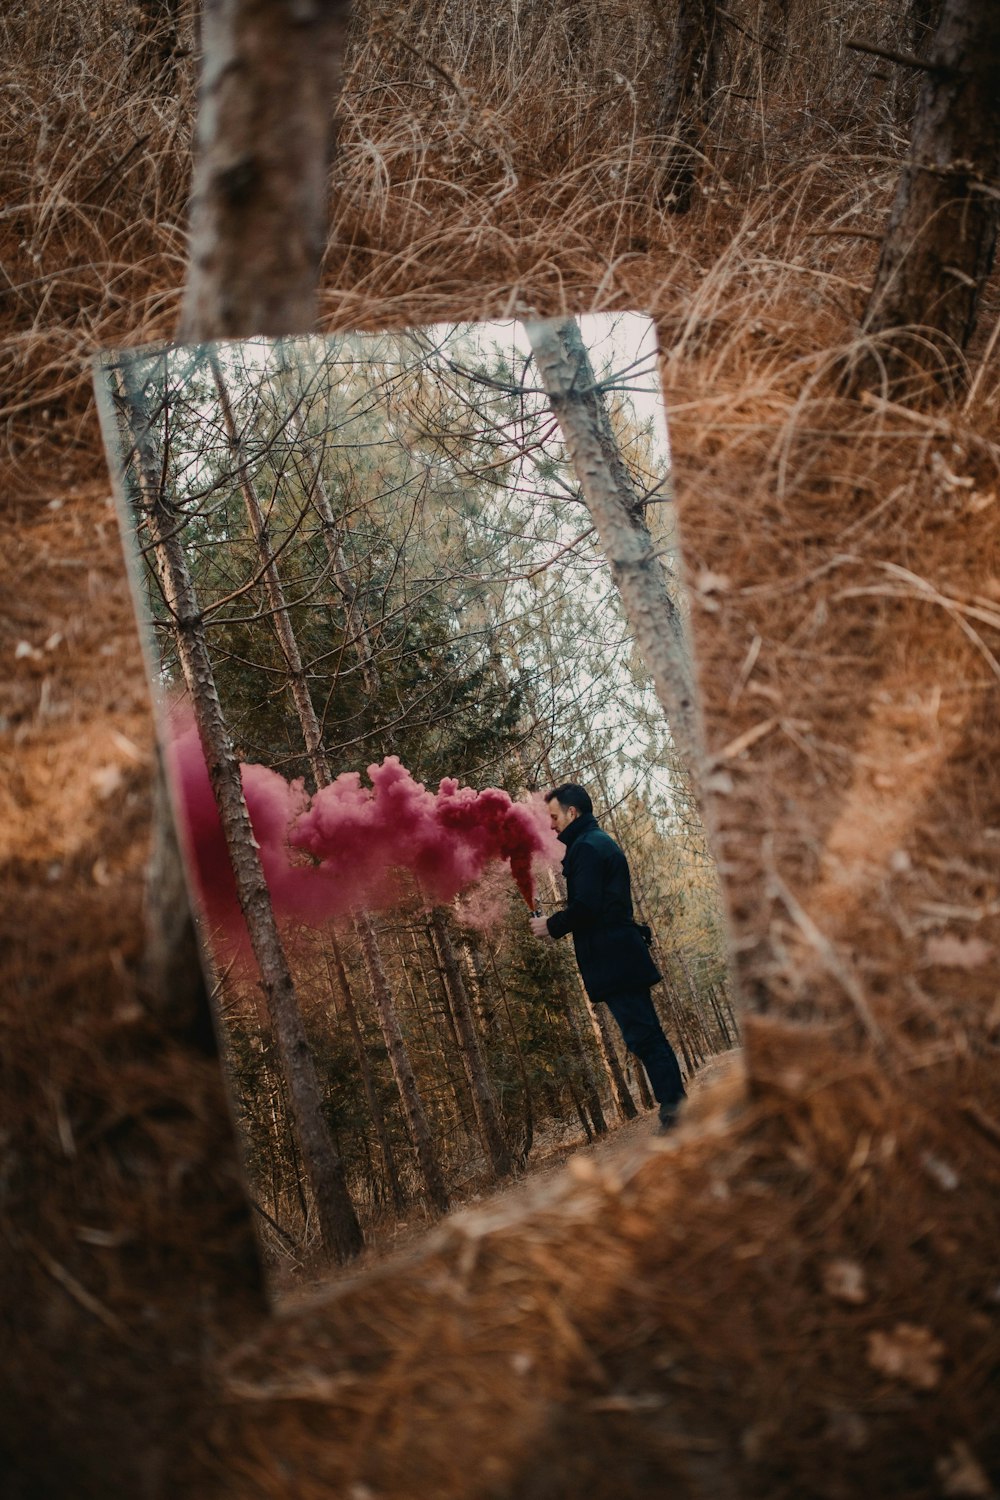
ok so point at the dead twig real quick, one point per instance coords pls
(890, 54)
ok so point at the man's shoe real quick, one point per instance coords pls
(668, 1117)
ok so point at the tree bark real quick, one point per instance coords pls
(610, 1060)
(567, 377)
(172, 966)
(306, 713)
(688, 87)
(441, 1039)
(371, 956)
(357, 628)
(339, 1227)
(270, 78)
(483, 1099)
(619, 1083)
(402, 1069)
(524, 1149)
(385, 1006)
(280, 618)
(592, 1093)
(939, 246)
(367, 1077)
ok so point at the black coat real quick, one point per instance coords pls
(610, 950)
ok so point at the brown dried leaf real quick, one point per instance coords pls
(953, 952)
(908, 1353)
(845, 1280)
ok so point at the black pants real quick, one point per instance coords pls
(642, 1034)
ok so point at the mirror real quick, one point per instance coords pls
(379, 625)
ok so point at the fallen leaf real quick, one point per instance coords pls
(908, 1353)
(845, 1280)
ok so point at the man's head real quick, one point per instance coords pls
(566, 803)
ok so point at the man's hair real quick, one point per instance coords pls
(571, 795)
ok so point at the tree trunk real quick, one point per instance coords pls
(642, 1084)
(357, 628)
(615, 508)
(924, 19)
(445, 1036)
(472, 961)
(172, 967)
(609, 1059)
(406, 1083)
(619, 1083)
(592, 1093)
(409, 1094)
(259, 183)
(282, 624)
(939, 246)
(339, 1227)
(270, 78)
(367, 1077)
(483, 1100)
(524, 1150)
(385, 1006)
(688, 87)
(280, 618)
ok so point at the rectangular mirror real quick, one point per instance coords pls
(374, 605)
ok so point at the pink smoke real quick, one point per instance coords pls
(351, 846)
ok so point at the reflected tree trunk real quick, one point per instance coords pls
(619, 1083)
(338, 1223)
(591, 1092)
(357, 628)
(280, 617)
(406, 1083)
(371, 956)
(616, 510)
(367, 1076)
(483, 1099)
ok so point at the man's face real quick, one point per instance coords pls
(559, 816)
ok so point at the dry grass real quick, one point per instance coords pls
(795, 1297)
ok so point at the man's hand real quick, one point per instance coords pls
(540, 927)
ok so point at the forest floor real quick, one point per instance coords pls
(556, 1153)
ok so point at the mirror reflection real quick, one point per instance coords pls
(380, 628)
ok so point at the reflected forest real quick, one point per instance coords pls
(375, 605)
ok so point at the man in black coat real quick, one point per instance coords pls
(611, 950)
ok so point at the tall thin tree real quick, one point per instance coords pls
(339, 1228)
(940, 243)
(616, 509)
